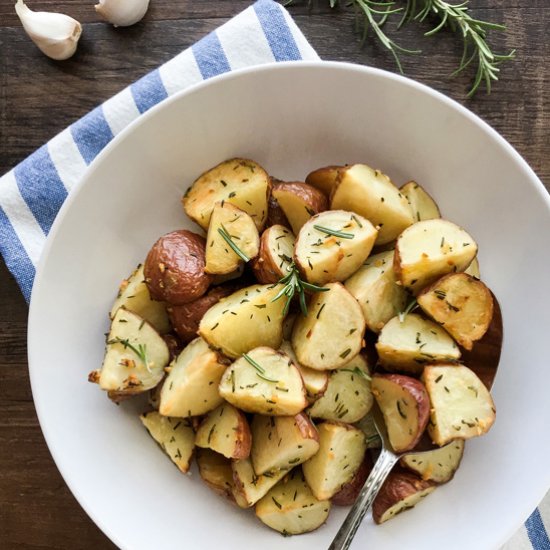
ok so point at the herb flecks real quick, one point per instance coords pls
(140, 350)
(411, 306)
(334, 232)
(229, 240)
(260, 371)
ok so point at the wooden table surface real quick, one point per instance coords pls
(39, 97)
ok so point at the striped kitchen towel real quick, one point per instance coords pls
(32, 193)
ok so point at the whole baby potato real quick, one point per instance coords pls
(174, 268)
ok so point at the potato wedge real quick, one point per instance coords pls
(460, 303)
(134, 296)
(215, 470)
(409, 344)
(249, 487)
(230, 228)
(174, 435)
(422, 204)
(462, 406)
(226, 431)
(473, 269)
(282, 442)
(191, 387)
(348, 396)
(401, 490)
(430, 249)
(342, 448)
(438, 465)
(315, 381)
(264, 381)
(245, 320)
(299, 201)
(324, 179)
(241, 182)
(405, 405)
(331, 334)
(348, 494)
(186, 318)
(174, 268)
(374, 286)
(372, 194)
(290, 507)
(135, 356)
(332, 245)
(275, 254)
(275, 214)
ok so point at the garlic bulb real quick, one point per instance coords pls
(122, 13)
(55, 34)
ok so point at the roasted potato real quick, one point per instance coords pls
(405, 405)
(348, 396)
(324, 179)
(410, 343)
(174, 435)
(473, 268)
(241, 182)
(282, 442)
(331, 334)
(133, 295)
(186, 318)
(275, 254)
(226, 431)
(348, 494)
(372, 194)
(264, 381)
(342, 448)
(332, 245)
(232, 239)
(174, 268)
(315, 381)
(422, 205)
(460, 303)
(299, 201)
(401, 490)
(430, 249)
(291, 508)
(249, 487)
(275, 214)
(246, 319)
(215, 470)
(438, 465)
(135, 356)
(191, 387)
(461, 406)
(374, 286)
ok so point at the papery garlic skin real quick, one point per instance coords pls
(122, 13)
(55, 34)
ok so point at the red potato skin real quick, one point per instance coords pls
(325, 178)
(348, 494)
(265, 269)
(420, 396)
(186, 318)
(275, 214)
(316, 200)
(174, 345)
(174, 268)
(306, 426)
(398, 485)
(243, 438)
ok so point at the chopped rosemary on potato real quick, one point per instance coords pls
(334, 232)
(260, 371)
(227, 237)
(140, 351)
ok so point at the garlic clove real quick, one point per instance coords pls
(55, 34)
(122, 13)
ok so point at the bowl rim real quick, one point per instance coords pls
(33, 318)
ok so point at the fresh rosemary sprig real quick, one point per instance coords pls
(359, 372)
(140, 351)
(260, 371)
(227, 238)
(292, 284)
(334, 232)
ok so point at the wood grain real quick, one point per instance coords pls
(39, 97)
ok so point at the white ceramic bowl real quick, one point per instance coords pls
(291, 118)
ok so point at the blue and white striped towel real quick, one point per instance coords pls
(32, 193)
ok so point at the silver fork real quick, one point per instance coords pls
(379, 473)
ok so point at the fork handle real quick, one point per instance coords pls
(368, 493)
